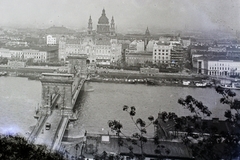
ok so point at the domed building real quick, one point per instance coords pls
(103, 26)
(101, 46)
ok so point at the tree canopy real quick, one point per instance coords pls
(206, 138)
(14, 147)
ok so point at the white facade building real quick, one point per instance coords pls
(5, 53)
(51, 40)
(17, 54)
(223, 67)
(162, 53)
(36, 55)
(87, 46)
(99, 49)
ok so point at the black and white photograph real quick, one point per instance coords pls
(120, 79)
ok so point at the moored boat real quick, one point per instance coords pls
(200, 84)
(3, 73)
(235, 86)
(151, 81)
(186, 83)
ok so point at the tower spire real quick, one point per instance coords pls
(112, 27)
(146, 39)
(147, 33)
(90, 25)
(103, 12)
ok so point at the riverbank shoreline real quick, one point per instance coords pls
(150, 82)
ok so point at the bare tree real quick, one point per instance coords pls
(138, 138)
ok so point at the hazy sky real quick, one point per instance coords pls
(128, 14)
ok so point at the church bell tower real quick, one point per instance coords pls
(112, 27)
(146, 38)
(90, 26)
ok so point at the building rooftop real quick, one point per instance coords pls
(140, 53)
(210, 53)
(198, 47)
(43, 48)
(219, 125)
(73, 41)
(234, 59)
(103, 19)
(171, 150)
(163, 43)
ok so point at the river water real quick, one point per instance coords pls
(20, 96)
(18, 99)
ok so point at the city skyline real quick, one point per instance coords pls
(128, 15)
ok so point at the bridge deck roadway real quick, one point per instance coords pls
(76, 92)
(59, 134)
(37, 128)
(46, 137)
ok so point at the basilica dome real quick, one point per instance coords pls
(103, 19)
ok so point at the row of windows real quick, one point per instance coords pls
(88, 50)
(17, 52)
(221, 68)
(102, 57)
(160, 53)
(160, 57)
(35, 57)
(161, 61)
(221, 64)
(83, 47)
(161, 50)
(103, 47)
(23, 53)
(72, 46)
(50, 40)
(225, 73)
(103, 51)
(137, 58)
(34, 53)
(98, 47)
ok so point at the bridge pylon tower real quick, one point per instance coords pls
(60, 90)
(57, 93)
(77, 65)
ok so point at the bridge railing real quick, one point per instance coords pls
(58, 138)
(76, 84)
(38, 127)
(76, 93)
(56, 133)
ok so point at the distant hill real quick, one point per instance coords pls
(59, 30)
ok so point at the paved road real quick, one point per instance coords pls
(47, 136)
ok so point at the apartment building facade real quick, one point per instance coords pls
(161, 53)
(51, 40)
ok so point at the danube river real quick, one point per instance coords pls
(20, 96)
